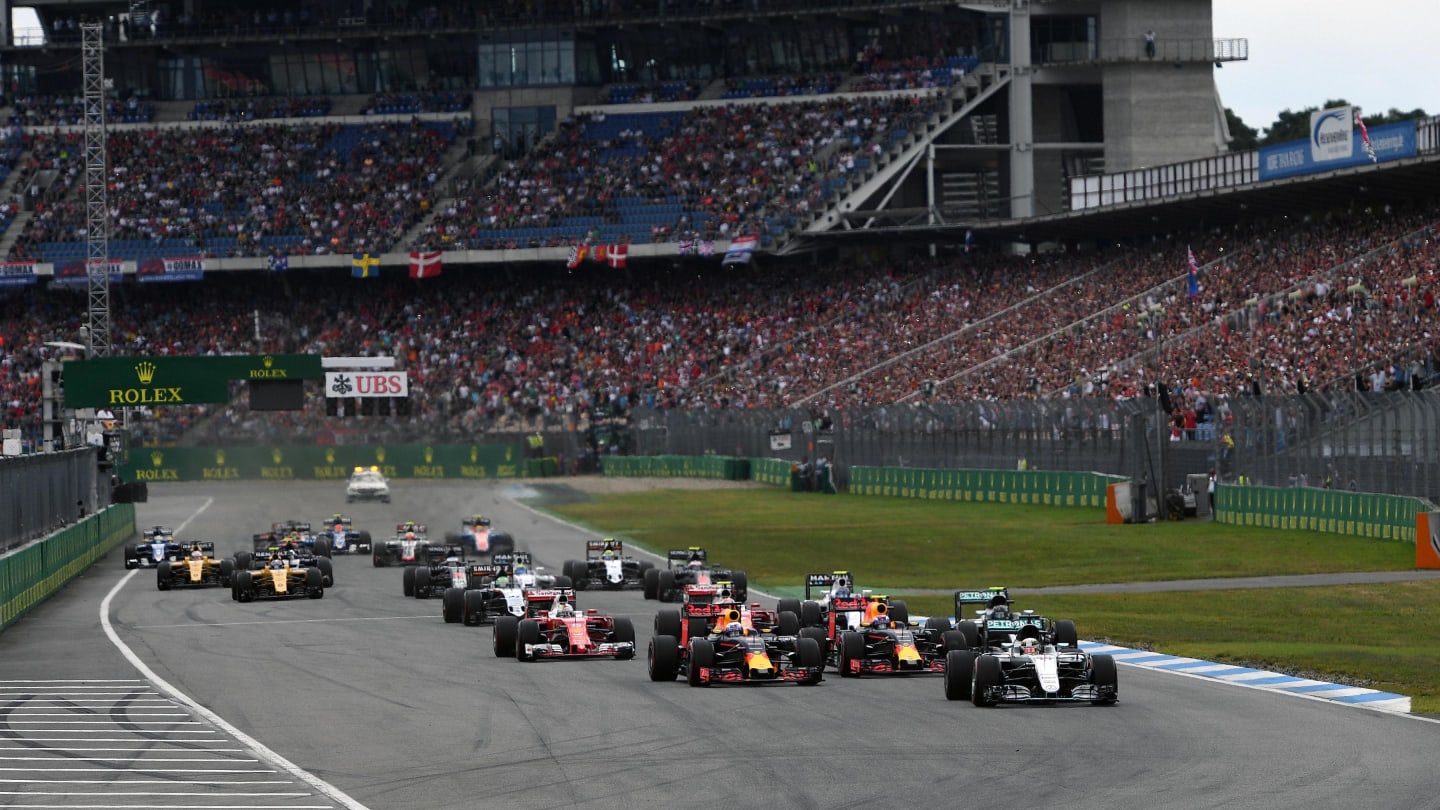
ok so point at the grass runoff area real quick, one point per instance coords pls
(1379, 636)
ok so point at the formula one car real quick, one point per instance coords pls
(299, 554)
(198, 567)
(157, 545)
(506, 592)
(291, 531)
(480, 537)
(367, 485)
(606, 566)
(996, 622)
(342, 536)
(820, 591)
(736, 654)
(410, 545)
(891, 646)
(691, 566)
(279, 577)
(436, 568)
(561, 631)
(1031, 668)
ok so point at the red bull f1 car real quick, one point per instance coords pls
(691, 566)
(712, 639)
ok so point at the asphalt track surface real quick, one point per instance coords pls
(366, 698)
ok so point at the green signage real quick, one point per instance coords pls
(331, 462)
(121, 382)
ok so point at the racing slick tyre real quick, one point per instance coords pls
(650, 580)
(235, 587)
(472, 608)
(243, 560)
(702, 654)
(527, 632)
(164, 578)
(505, 631)
(787, 624)
(899, 611)
(130, 563)
(807, 654)
(937, 624)
(563, 581)
(987, 676)
(327, 570)
(423, 585)
(818, 634)
(362, 542)
(322, 548)
(624, 631)
(665, 587)
(579, 573)
(227, 572)
(953, 640)
(568, 569)
(409, 580)
(1102, 673)
(959, 664)
(971, 631)
(452, 605)
(739, 585)
(314, 583)
(244, 586)
(1065, 634)
(377, 560)
(646, 565)
(667, 623)
(422, 553)
(852, 648)
(810, 613)
(663, 658)
(791, 605)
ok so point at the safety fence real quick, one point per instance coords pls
(30, 574)
(1362, 514)
(1000, 486)
(43, 492)
(333, 462)
(726, 468)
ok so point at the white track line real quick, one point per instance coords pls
(320, 785)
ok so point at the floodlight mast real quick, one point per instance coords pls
(97, 209)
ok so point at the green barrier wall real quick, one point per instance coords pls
(770, 471)
(1001, 486)
(30, 575)
(331, 462)
(723, 467)
(1383, 517)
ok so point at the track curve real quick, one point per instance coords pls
(373, 693)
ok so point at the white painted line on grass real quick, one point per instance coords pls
(324, 788)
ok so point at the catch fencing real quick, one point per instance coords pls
(43, 492)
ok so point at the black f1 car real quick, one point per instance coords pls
(1032, 668)
(606, 566)
(691, 566)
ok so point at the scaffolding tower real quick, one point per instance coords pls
(97, 209)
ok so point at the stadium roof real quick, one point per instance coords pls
(1390, 182)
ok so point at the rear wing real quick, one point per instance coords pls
(483, 571)
(717, 611)
(595, 548)
(475, 521)
(688, 555)
(204, 545)
(983, 599)
(418, 528)
(824, 582)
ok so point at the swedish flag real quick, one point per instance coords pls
(363, 265)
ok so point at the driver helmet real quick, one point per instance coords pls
(695, 564)
(563, 609)
(196, 555)
(502, 581)
(608, 554)
(734, 629)
(1030, 645)
(881, 620)
(277, 563)
(521, 571)
(999, 612)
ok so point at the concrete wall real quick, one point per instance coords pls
(1155, 112)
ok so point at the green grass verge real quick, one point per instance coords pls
(1330, 633)
(1377, 636)
(899, 543)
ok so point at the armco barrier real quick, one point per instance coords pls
(770, 471)
(721, 467)
(1000, 486)
(334, 462)
(31, 574)
(1382, 517)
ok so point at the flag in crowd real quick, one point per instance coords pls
(707, 247)
(278, 262)
(1365, 138)
(686, 247)
(363, 265)
(741, 249)
(969, 241)
(1194, 280)
(424, 263)
(613, 255)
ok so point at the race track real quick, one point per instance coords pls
(372, 693)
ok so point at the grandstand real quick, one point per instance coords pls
(887, 156)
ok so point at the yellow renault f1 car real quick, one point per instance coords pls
(278, 577)
(197, 567)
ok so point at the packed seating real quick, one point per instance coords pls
(251, 108)
(246, 190)
(56, 110)
(711, 171)
(418, 102)
(913, 73)
(771, 86)
(627, 93)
